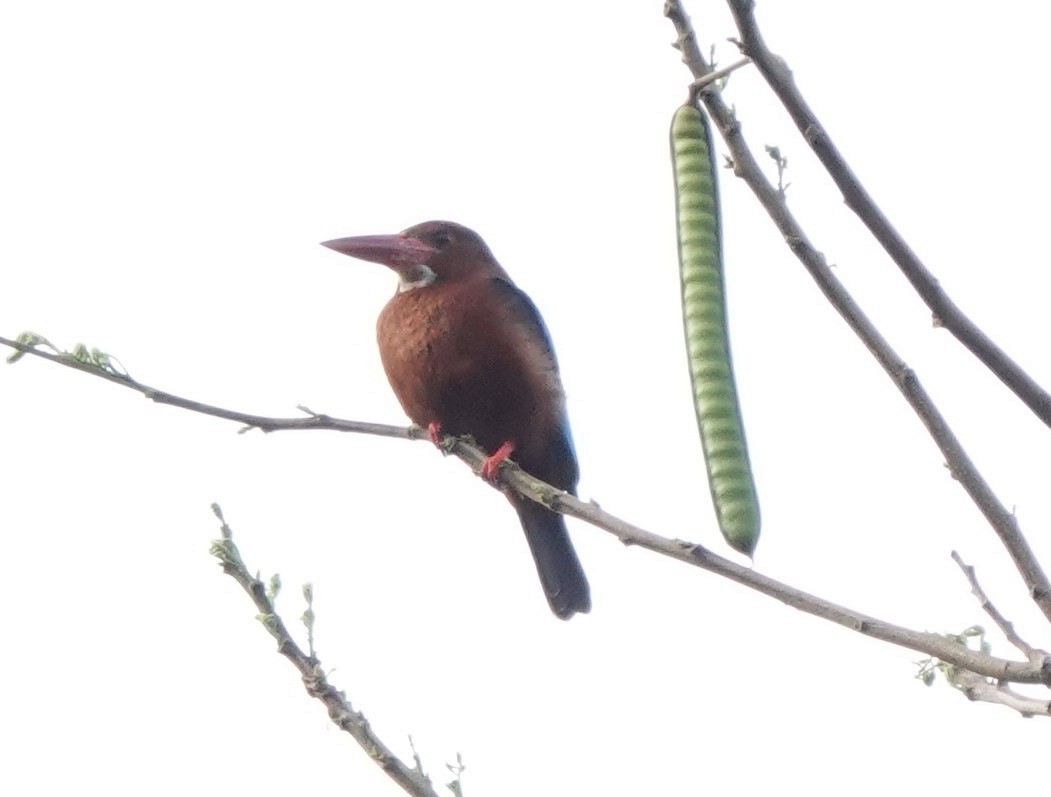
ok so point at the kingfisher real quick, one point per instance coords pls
(467, 353)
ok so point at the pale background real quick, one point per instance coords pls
(166, 171)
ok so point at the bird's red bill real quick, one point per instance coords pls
(390, 250)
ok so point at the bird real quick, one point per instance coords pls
(467, 353)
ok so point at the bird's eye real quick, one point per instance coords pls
(442, 239)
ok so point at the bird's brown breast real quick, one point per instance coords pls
(458, 357)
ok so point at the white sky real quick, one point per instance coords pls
(165, 176)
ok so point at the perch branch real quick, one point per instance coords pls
(312, 421)
(690, 553)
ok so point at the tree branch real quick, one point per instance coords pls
(690, 553)
(263, 423)
(960, 465)
(946, 313)
(981, 689)
(1034, 655)
(343, 715)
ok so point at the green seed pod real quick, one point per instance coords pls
(707, 339)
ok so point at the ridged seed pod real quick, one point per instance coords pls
(707, 339)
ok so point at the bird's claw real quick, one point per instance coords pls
(491, 466)
(434, 431)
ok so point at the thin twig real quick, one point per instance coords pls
(718, 74)
(343, 715)
(1035, 656)
(511, 475)
(946, 313)
(960, 465)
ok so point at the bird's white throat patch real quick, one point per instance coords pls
(418, 276)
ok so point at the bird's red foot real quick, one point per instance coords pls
(434, 431)
(491, 467)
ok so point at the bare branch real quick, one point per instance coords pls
(313, 421)
(945, 312)
(1035, 656)
(986, 691)
(960, 465)
(514, 477)
(340, 711)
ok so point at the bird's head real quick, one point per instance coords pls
(434, 251)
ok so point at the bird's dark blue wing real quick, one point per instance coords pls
(526, 314)
(523, 311)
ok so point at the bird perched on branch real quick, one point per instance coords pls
(467, 353)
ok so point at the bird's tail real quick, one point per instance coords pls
(560, 572)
